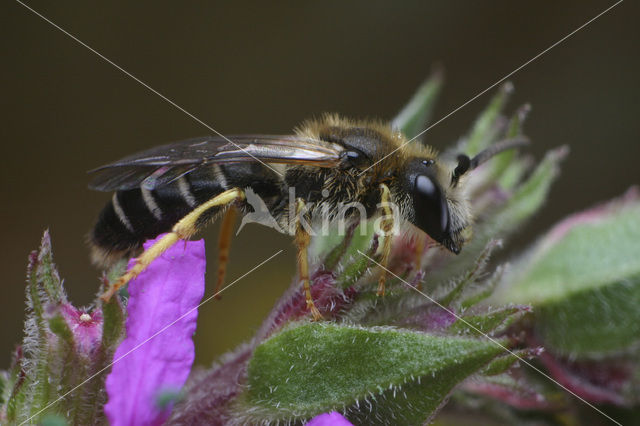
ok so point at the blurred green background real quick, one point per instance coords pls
(262, 68)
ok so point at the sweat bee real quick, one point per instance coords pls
(180, 188)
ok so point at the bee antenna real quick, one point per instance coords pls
(466, 164)
(496, 149)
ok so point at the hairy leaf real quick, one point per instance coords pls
(488, 322)
(369, 373)
(587, 251)
(414, 117)
(583, 279)
(487, 127)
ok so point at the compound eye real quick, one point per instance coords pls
(432, 213)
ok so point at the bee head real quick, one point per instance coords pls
(440, 207)
(431, 210)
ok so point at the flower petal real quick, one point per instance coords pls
(158, 351)
(86, 327)
(329, 419)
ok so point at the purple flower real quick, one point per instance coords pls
(86, 327)
(155, 358)
(329, 419)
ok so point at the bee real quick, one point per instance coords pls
(180, 188)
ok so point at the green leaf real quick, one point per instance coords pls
(51, 361)
(414, 117)
(472, 275)
(59, 326)
(591, 254)
(583, 279)
(53, 420)
(355, 264)
(484, 290)
(46, 273)
(13, 395)
(40, 276)
(486, 127)
(529, 196)
(487, 322)
(332, 259)
(506, 168)
(592, 323)
(343, 244)
(503, 363)
(319, 367)
(113, 325)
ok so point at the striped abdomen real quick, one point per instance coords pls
(136, 215)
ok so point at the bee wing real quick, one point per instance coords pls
(164, 164)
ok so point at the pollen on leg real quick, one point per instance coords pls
(142, 262)
(184, 229)
(387, 227)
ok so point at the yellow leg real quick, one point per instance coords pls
(185, 228)
(302, 240)
(224, 244)
(420, 242)
(387, 226)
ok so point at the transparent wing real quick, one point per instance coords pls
(163, 164)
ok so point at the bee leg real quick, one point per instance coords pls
(387, 226)
(302, 240)
(185, 228)
(224, 244)
(420, 243)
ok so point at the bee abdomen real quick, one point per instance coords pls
(133, 216)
